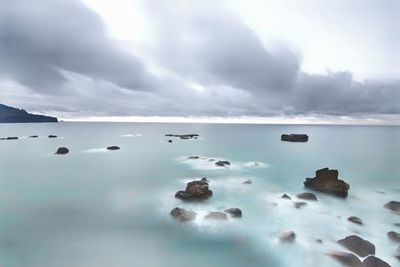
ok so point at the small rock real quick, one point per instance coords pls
(319, 241)
(216, 215)
(346, 259)
(222, 163)
(113, 148)
(294, 137)
(288, 236)
(373, 261)
(248, 181)
(183, 215)
(397, 253)
(394, 236)
(307, 196)
(62, 151)
(170, 141)
(193, 157)
(33, 136)
(355, 220)
(52, 136)
(299, 204)
(393, 206)
(358, 245)
(234, 212)
(12, 138)
(285, 196)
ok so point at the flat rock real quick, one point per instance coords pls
(33, 136)
(12, 138)
(393, 206)
(62, 151)
(248, 181)
(294, 137)
(307, 196)
(193, 157)
(394, 236)
(113, 148)
(216, 215)
(373, 261)
(222, 163)
(358, 245)
(52, 136)
(327, 181)
(288, 236)
(234, 212)
(183, 215)
(347, 259)
(355, 220)
(195, 190)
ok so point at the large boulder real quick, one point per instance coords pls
(358, 245)
(394, 236)
(234, 212)
(327, 181)
(62, 151)
(294, 137)
(288, 236)
(307, 196)
(183, 215)
(355, 220)
(222, 163)
(347, 259)
(393, 206)
(373, 261)
(195, 190)
(216, 215)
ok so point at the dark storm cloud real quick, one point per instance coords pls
(39, 40)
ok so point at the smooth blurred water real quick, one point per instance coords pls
(99, 208)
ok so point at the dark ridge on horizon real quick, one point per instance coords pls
(14, 115)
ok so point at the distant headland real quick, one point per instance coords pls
(15, 115)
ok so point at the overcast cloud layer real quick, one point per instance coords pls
(58, 57)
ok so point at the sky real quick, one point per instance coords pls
(291, 61)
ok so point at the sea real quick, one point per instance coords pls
(98, 208)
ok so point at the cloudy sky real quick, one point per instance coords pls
(286, 60)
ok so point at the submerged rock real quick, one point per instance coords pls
(394, 236)
(294, 137)
(393, 206)
(113, 148)
(222, 163)
(52, 136)
(397, 253)
(216, 215)
(288, 236)
(307, 196)
(355, 220)
(234, 212)
(285, 196)
(346, 259)
(195, 190)
(62, 151)
(358, 245)
(183, 215)
(327, 181)
(373, 261)
(299, 204)
(248, 181)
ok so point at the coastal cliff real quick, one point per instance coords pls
(15, 115)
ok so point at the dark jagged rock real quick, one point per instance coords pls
(299, 204)
(12, 138)
(294, 137)
(288, 236)
(355, 220)
(327, 181)
(62, 151)
(394, 236)
(347, 259)
(216, 215)
(193, 157)
(222, 163)
(15, 115)
(307, 196)
(195, 190)
(248, 181)
(393, 206)
(373, 261)
(52, 136)
(113, 148)
(285, 196)
(33, 136)
(234, 212)
(183, 215)
(358, 245)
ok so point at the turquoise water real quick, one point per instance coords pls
(94, 207)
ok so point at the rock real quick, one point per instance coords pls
(183, 136)
(234, 212)
(222, 163)
(307, 196)
(183, 215)
(285, 196)
(170, 141)
(327, 181)
(299, 204)
(62, 151)
(195, 190)
(347, 259)
(288, 236)
(393, 206)
(216, 215)
(373, 261)
(355, 220)
(52, 136)
(12, 138)
(248, 181)
(397, 253)
(319, 241)
(394, 236)
(358, 245)
(113, 148)
(397, 224)
(294, 137)
(33, 136)
(193, 157)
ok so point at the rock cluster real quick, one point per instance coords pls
(195, 190)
